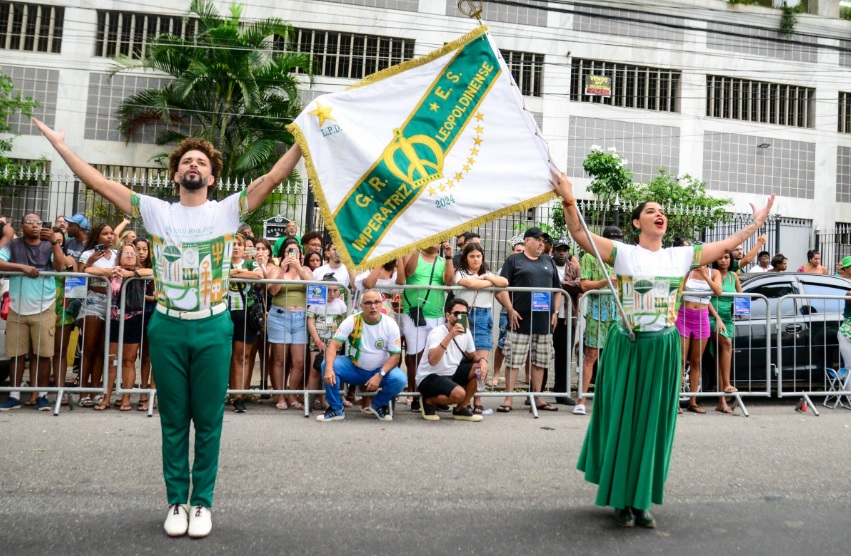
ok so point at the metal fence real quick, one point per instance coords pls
(834, 244)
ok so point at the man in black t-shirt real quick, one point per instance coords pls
(531, 315)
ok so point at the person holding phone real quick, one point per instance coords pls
(286, 326)
(451, 368)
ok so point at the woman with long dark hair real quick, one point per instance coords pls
(722, 327)
(627, 448)
(813, 265)
(143, 253)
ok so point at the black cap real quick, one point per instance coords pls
(533, 232)
(562, 242)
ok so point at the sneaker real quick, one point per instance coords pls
(239, 405)
(415, 405)
(566, 400)
(428, 412)
(42, 404)
(442, 407)
(200, 522)
(332, 415)
(464, 414)
(177, 521)
(11, 403)
(383, 413)
(579, 409)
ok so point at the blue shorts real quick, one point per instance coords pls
(481, 325)
(286, 326)
(503, 330)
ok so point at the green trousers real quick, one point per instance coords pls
(190, 360)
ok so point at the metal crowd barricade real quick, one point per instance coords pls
(808, 347)
(746, 350)
(530, 395)
(60, 389)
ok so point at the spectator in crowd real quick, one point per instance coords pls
(286, 326)
(313, 260)
(322, 321)
(31, 322)
(78, 236)
(312, 241)
(601, 312)
(290, 232)
(779, 263)
(423, 309)
(98, 255)
(66, 313)
(240, 301)
(473, 274)
(844, 333)
(334, 268)
(531, 322)
(723, 328)
(375, 349)
(143, 259)
(569, 274)
(62, 224)
(548, 244)
(118, 233)
(461, 242)
(693, 323)
(763, 263)
(134, 306)
(452, 367)
(245, 231)
(384, 280)
(248, 248)
(680, 242)
(189, 324)
(628, 443)
(740, 260)
(813, 265)
(265, 263)
(517, 246)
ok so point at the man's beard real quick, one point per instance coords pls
(193, 182)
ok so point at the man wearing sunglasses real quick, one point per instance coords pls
(375, 349)
(448, 372)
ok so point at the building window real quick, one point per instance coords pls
(348, 55)
(629, 86)
(758, 101)
(130, 33)
(527, 69)
(844, 112)
(31, 27)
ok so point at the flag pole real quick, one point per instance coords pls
(471, 8)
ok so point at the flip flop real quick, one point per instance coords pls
(730, 390)
(101, 407)
(545, 407)
(696, 409)
(127, 407)
(725, 410)
(504, 409)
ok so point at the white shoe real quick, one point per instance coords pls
(177, 521)
(200, 522)
(579, 409)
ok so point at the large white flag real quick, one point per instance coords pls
(421, 151)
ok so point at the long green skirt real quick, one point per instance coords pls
(627, 448)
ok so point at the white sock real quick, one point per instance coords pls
(42, 394)
(16, 395)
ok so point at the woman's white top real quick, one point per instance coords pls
(697, 285)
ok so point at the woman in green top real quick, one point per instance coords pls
(240, 299)
(723, 327)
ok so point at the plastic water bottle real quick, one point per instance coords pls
(480, 380)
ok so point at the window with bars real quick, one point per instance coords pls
(759, 101)
(631, 86)
(844, 112)
(129, 33)
(31, 27)
(527, 69)
(349, 55)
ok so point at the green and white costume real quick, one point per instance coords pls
(191, 331)
(627, 448)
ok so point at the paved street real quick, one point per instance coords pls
(90, 483)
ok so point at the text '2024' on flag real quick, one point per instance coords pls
(422, 150)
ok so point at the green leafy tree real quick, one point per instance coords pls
(11, 103)
(230, 87)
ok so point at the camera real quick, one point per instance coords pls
(99, 247)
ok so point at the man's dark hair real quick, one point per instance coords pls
(761, 253)
(452, 302)
(195, 145)
(310, 236)
(778, 259)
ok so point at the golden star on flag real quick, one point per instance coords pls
(479, 129)
(323, 113)
(450, 183)
(479, 116)
(432, 191)
(474, 151)
(433, 106)
(459, 176)
(442, 187)
(477, 140)
(471, 160)
(466, 167)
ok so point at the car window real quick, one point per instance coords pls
(821, 306)
(773, 291)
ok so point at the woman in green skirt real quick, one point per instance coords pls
(627, 448)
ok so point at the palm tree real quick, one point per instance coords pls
(230, 87)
